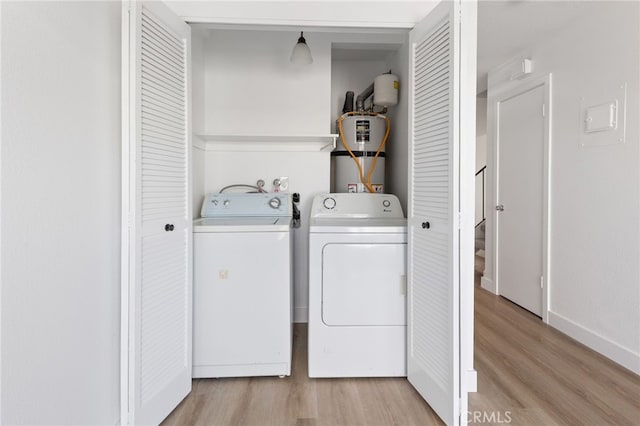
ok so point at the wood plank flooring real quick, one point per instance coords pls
(542, 376)
(528, 374)
(299, 400)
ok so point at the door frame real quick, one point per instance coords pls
(465, 217)
(496, 96)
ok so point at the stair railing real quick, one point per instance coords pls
(480, 178)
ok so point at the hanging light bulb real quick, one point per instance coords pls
(301, 54)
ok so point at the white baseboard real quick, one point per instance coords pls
(471, 380)
(598, 343)
(301, 314)
(488, 284)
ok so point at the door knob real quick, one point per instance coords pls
(500, 207)
(426, 225)
(169, 227)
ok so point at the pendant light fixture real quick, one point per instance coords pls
(301, 54)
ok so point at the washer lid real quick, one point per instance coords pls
(242, 224)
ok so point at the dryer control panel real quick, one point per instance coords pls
(356, 206)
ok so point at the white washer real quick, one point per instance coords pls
(242, 310)
(357, 286)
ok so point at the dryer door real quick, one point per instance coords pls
(364, 284)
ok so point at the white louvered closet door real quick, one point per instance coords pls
(433, 244)
(157, 299)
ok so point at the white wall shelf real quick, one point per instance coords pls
(258, 143)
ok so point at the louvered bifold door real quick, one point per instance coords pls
(433, 305)
(158, 319)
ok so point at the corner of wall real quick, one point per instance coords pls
(488, 284)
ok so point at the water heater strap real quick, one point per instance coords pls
(357, 154)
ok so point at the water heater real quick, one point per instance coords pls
(358, 162)
(362, 134)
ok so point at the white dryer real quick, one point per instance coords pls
(242, 310)
(357, 286)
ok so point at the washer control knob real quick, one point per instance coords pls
(275, 202)
(329, 203)
(386, 203)
(226, 203)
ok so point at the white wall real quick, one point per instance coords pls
(198, 170)
(198, 113)
(198, 95)
(61, 213)
(252, 88)
(595, 191)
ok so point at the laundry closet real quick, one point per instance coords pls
(258, 116)
(254, 115)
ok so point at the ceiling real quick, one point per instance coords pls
(505, 28)
(508, 27)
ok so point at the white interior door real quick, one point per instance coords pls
(157, 276)
(440, 306)
(521, 141)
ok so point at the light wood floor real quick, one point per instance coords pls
(528, 374)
